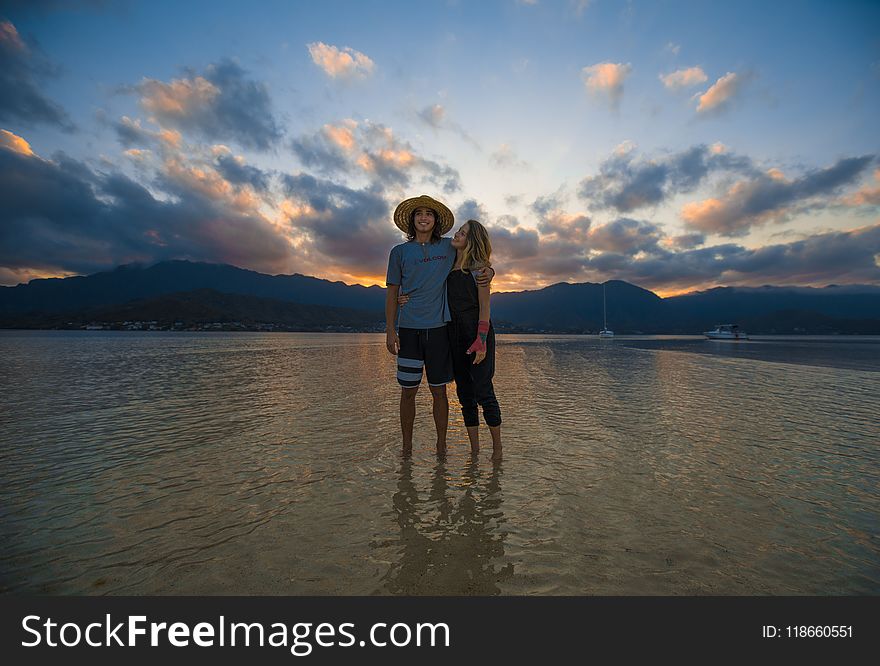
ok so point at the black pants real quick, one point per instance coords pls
(473, 383)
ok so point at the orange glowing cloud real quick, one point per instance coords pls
(393, 154)
(400, 158)
(606, 78)
(15, 143)
(732, 215)
(204, 181)
(293, 210)
(701, 213)
(684, 78)
(342, 135)
(343, 64)
(135, 132)
(171, 137)
(867, 196)
(10, 276)
(138, 154)
(178, 98)
(719, 93)
(9, 36)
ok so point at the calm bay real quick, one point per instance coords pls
(238, 463)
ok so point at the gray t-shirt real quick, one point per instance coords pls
(421, 271)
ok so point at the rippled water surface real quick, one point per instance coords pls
(169, 463)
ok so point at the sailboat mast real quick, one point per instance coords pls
(604, 313)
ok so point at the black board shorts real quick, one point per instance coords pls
(426, 348)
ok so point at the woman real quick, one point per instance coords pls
(471, 335)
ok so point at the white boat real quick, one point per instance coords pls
(605, 332)
(726, 332)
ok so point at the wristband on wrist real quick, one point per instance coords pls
(479, 345)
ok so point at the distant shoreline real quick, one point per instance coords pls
(378, 332)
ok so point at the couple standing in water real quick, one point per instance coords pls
(441, 288)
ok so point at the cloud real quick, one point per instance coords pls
(547, 203)
(638, 252)
(683, 78)
(566, 226)
(769, 196)
(553, 220)
(627, 182)
(625, 236)
(567, 246)
(130, 133)
(140, 156)
(328, 150)
(579, 6)
(506, 158)
(841, 257)
(510, 245)
(394, 161)
(234, 170)
(521, 65)
(61, 216)
(345, 230)
(557, 250)
(22, 67)
(673, 48)
(435, 116)
(471, 210)
(719, 96)
(606, 78)
(14, 143)
(344, 64)
(220, 105)
(371, 149)
(866, 196)
(686, 241)
(9, 38)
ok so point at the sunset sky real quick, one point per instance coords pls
(674, 145)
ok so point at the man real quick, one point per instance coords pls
(419, 268)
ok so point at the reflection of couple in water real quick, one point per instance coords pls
(449, 547)
(441, 287)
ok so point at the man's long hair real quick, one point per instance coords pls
(435, 232)
(477, 251)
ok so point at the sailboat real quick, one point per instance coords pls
(605, 332)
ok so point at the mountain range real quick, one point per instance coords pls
(190, 293)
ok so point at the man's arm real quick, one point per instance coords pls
(485, 276)
(392, 342)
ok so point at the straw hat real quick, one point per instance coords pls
(404, 211)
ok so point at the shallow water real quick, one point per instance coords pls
(182, 463)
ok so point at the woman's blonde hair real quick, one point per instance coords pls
(478, 250)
